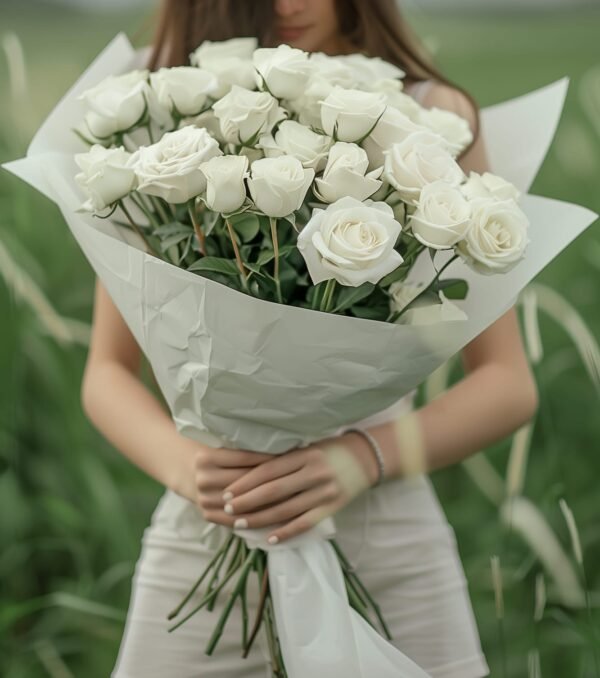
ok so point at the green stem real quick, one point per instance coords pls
(259, 612)
(215, 576)
(137, 229)
(140, 203)
(253, 554)
(199, 581)
(197, 227)
(315, 299)
(273, 222)
(207, 599)
(326, 301)
(275, 651)
(363, 589)
(160, 209)
(238, 256)
(394, 316)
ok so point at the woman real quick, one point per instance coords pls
(395, 534)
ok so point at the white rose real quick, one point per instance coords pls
(351, 241)
(285, 70)
(497, 238)
(392, 128)
(170, 168)
(418, 160)
(208, 120)
(245, 115)
(369, 70)
(229, 60)
(326, 72)
(184, 87)
(295, 139)
(106, 176)
(455, 130)
(225, 188)
(308, 106)
(332, 69)
(238, 48)
(425, 311)
(488, 185)
(442, 217)
(116, 104)
(396, 97)
(278, 186)
(349, 114)
(346, 174)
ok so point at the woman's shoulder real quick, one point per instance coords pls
(438, 94)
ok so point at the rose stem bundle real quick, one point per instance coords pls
(242, 561)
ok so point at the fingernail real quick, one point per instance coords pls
(228, 509)
(240, 523)
(227, 496)
(273, 539)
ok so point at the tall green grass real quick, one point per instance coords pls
(73, 509)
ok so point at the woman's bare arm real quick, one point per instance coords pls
(136, 423)
(498, 393)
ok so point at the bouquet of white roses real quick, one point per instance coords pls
(301, 178)
(274, 226)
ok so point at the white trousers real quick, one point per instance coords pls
(396, 535)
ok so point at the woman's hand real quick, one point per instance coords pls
(295, 490)
(217, 468)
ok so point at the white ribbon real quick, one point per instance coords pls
(320, 634)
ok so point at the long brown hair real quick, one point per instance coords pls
(375, 27)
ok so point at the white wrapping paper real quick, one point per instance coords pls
(242, 372)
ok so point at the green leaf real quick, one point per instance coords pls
(174, 239)
(246, 225)
(210, 220)
(453, 288)
(217, 264)
(349, 296)
(266, 255)
(397, 274)
(288, 278)
(172, 228)
(371, 312)
(255, 269)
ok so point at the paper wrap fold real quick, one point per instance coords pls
(242, 372)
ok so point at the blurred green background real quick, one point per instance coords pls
(72, 508)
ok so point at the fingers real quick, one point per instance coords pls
(209, 501)
(226, 457)
(286, 510)
(212, 478)
(302, 523)
(270, 470)
(271, 492)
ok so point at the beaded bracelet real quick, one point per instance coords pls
(376, 449)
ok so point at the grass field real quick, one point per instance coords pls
(73, 509)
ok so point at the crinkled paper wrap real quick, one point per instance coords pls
(242, 372)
